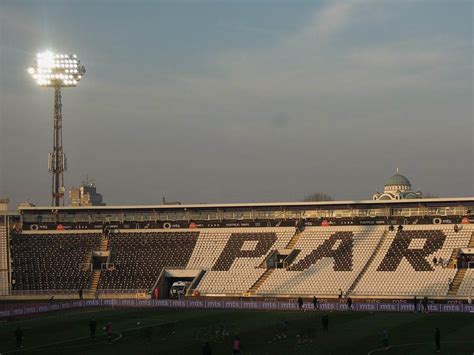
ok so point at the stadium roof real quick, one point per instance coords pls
(258, 204)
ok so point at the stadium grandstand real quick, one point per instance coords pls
(375, 249)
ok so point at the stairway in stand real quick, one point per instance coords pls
(457, 282)
(471, 243)
(459, 277)
(87, 262)
(259, 282)
(291, 244)
(453, 258)
(454, 255)
(369, 262)
(95, 281)
(104, 245)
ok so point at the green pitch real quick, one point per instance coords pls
(183, 332)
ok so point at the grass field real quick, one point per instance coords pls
(182, 332)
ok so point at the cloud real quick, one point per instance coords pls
(334, 18)
(304, 74)
(309, 63)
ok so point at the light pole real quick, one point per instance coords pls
(57, 71)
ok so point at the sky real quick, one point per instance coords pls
(241, 101)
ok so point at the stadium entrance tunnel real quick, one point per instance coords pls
(465, 258)
(100, 260)
(280, 259)
(183, 280)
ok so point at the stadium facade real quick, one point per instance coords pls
(366, 249)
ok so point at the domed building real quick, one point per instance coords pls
(398, 187)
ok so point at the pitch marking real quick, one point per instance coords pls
(411, 344)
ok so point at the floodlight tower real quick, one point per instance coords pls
(57, 71)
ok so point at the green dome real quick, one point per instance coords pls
(398, 179)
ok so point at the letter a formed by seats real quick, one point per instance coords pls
(234, 248)
(400, 248)
(342, 254)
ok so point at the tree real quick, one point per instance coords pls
(317, 197)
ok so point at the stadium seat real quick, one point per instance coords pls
(51, 261)
(139, 258)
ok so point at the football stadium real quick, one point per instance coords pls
(267, 273)
(237, 109)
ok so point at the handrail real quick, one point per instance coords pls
(43, 292)
(123, 291)
(163, 270)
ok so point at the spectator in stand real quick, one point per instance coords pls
(391, 228)
(437, 340)
(300, 303)
(400, 228)
(435, 261)
(456, 228)
(19, 338)
(315, 303)
(340, 293)
(450, 284)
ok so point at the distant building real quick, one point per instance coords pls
(4, 204)
(398, 187)
(85, 195)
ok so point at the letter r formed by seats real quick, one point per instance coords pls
(400, 248)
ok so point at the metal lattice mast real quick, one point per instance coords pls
(57, 159)
(57, 71)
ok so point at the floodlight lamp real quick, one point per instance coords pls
(50, 70)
